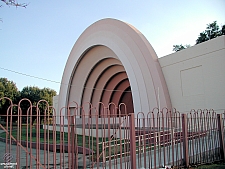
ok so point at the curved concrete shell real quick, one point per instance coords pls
(113, 62)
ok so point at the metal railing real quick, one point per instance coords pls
(107, 137)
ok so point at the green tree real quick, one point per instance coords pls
(35, 94)
(180, 47)
(31, 93)
(7, 89)
(212, 31)
(47, 94)
(223, 30)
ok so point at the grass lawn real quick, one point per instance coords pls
(213, 166)
(46, 136)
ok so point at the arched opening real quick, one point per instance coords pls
(108, 60)
(126, 98)
(103, 77)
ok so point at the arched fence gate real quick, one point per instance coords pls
(36, 136)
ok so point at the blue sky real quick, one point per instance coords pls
(37, 40)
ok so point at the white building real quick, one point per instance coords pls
(113, 62)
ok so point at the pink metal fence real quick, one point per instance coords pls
(107, 137)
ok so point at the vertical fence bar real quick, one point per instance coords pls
(185, 140)
(192, 136)
(163, 142)
(211, 137)
(83, 137)
(154, 136)
(221, 136)
(54, 142)
(144, 140)
(171, 123)
(97, 139)
(72, 140)
(132, 141)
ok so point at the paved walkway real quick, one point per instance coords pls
(22, 157)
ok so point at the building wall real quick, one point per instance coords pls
(113, 40)
(195, 76)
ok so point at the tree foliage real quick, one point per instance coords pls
(213, 30)
(8, 89)
(34, 94)
(177, 48)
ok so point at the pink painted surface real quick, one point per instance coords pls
(121, 44)
(110, 88)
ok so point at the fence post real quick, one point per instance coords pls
(221, 136)
(132, 141)
(185, 140)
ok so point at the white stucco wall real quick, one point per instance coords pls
(134, 52)
(195, 76)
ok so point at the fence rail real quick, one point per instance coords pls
(108, 137)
